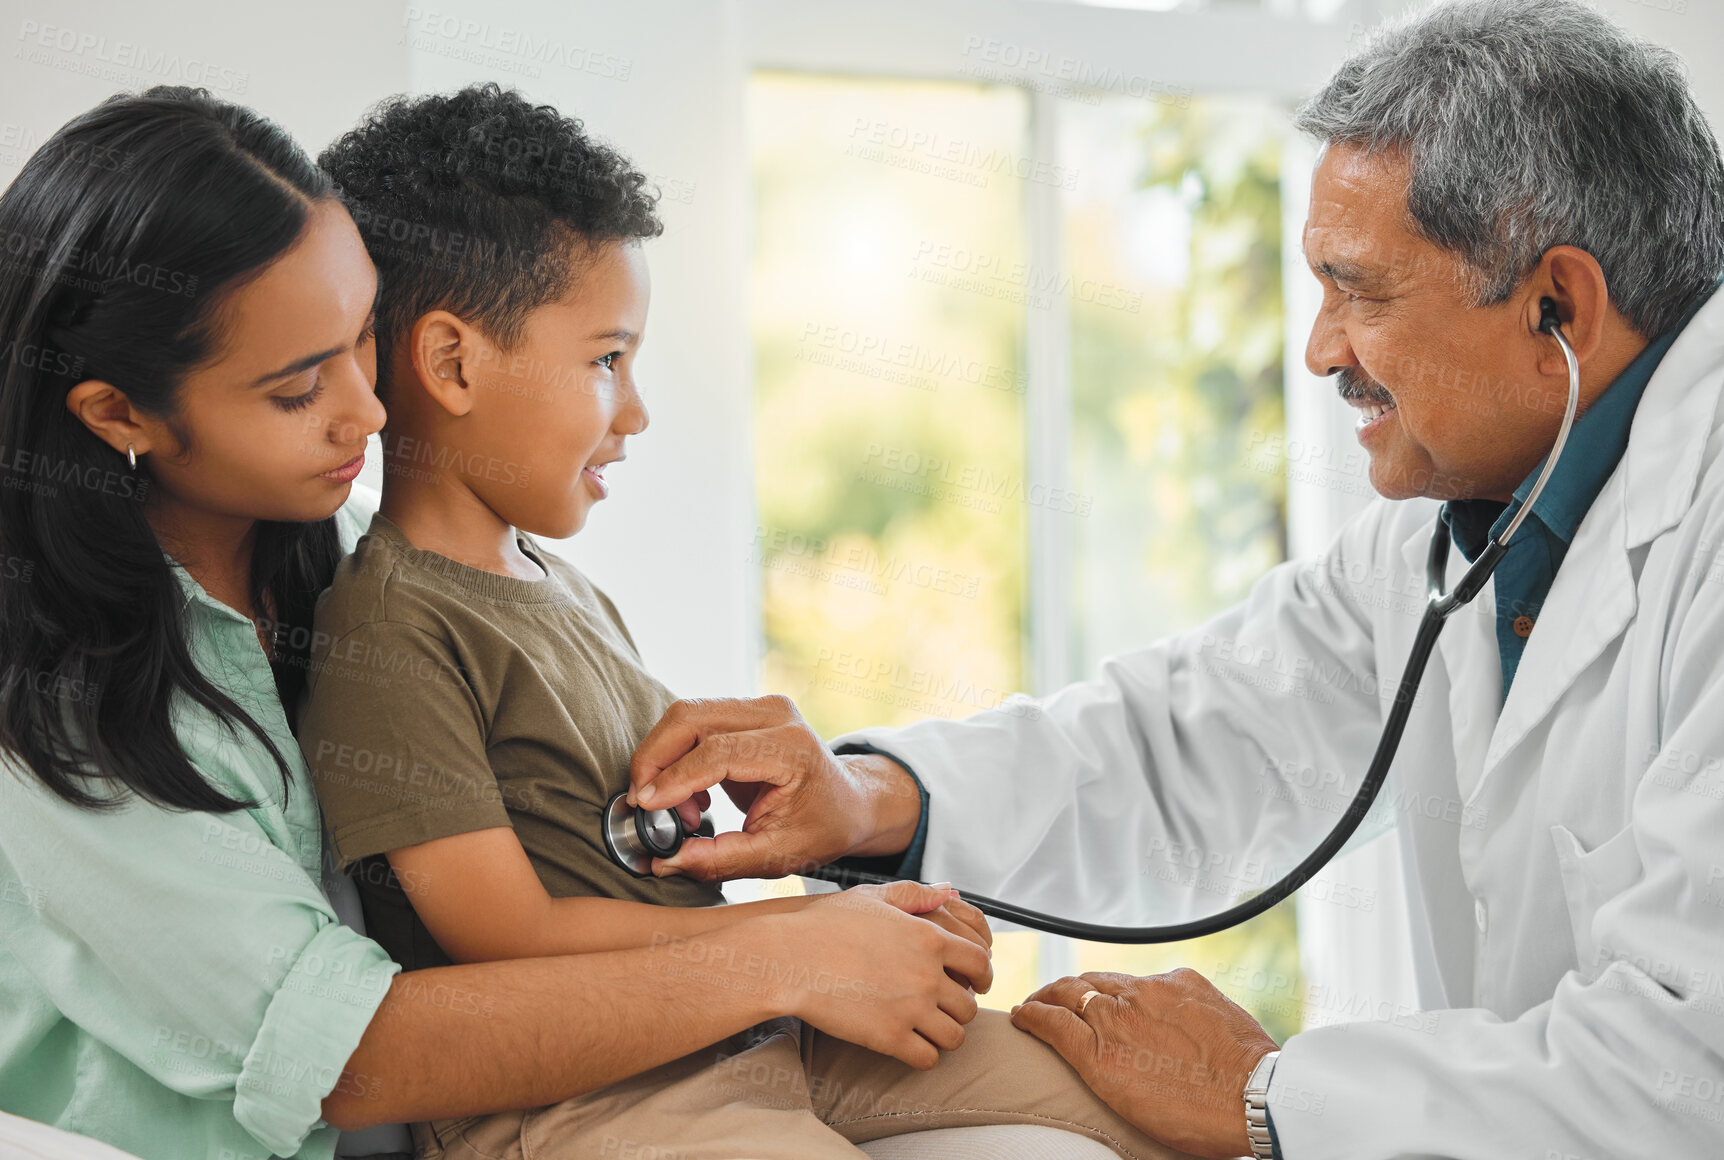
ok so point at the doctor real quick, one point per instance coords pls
(1560, 788)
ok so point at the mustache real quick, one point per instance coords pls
(1353, 383)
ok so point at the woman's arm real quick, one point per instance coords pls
(487, 1037)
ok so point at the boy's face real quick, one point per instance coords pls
(558, 407)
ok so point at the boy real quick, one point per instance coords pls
(474, 701)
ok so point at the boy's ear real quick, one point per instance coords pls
(443, 350)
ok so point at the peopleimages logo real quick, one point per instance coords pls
(986, 57)
(72, 50)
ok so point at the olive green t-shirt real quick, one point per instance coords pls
(444, 699)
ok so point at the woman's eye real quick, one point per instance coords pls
(298, 402)
(609, 360)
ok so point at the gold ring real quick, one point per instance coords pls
(1084, 1002)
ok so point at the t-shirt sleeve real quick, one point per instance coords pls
(396, 743)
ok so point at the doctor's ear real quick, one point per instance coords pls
(443, 350)
(1568, 283)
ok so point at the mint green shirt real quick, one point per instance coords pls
(176, 983)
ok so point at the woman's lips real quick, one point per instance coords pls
(347, 471)
(596, 480)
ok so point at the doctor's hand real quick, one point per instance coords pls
(802, 806)
(1169, 1052)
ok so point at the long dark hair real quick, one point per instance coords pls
(119, 240)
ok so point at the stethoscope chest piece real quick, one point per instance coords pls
(633, 837)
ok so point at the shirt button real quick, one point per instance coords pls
(1523, 626)
(1480, 915)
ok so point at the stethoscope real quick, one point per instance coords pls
(634, 837)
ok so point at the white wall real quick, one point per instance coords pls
(310, 67)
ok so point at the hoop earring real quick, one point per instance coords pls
(131, 457)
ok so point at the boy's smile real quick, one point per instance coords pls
(595, 473)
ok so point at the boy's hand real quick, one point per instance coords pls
(880, 978)
(965, 921)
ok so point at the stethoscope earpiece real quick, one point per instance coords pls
(1549, 321)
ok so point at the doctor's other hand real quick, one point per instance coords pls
(802, 806)
(879, 976)
(1168, 1052)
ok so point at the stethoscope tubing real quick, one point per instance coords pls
(1439, 606)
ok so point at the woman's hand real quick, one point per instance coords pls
(1169, 1052)
(861, 965)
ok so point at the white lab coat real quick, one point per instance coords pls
(1564, 856)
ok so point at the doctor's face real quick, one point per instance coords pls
(1449, 397)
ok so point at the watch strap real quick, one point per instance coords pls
(1257, 1107)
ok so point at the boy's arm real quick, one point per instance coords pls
(478, 895)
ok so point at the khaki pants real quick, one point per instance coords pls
(785, 1091)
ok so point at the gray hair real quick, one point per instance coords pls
(1537, 123)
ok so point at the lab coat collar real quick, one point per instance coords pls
(1667, 443)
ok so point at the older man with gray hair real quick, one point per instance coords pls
(1488, 167)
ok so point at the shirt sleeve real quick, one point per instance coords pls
(396, 743)
(195, 947)
(909, 863)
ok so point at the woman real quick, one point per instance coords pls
(183, 407)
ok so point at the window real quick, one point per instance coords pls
(1011, 357)
(1172, 224)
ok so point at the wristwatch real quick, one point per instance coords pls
(1257, 1107)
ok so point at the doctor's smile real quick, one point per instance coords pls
(1372, 401)
(447, 819)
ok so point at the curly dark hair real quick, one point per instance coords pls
(480, 203)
